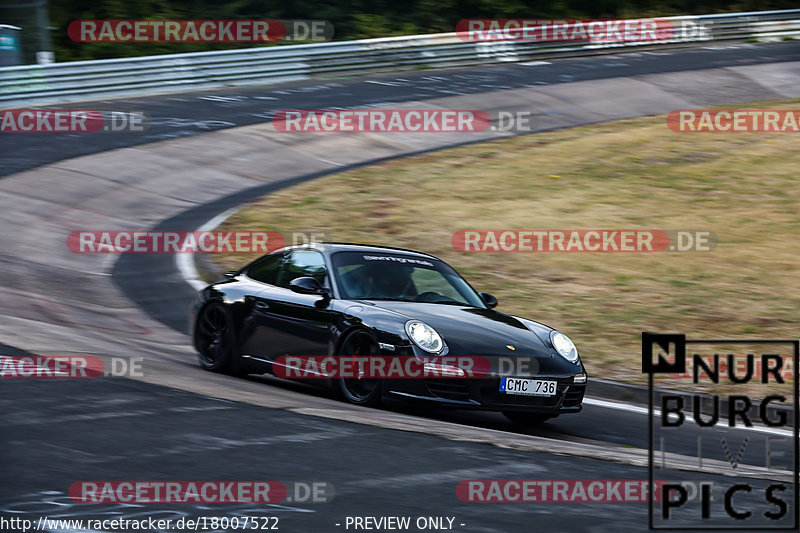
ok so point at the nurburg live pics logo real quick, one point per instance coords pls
(766, 505)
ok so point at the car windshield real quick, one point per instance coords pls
(386, 276)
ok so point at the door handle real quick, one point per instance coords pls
(262, 306)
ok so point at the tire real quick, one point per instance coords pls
(215, 340)
(354, 390)
(527, 419)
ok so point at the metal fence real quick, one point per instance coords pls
(84, 80)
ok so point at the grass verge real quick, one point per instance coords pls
(631, 174)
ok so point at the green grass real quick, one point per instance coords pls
(632, 174)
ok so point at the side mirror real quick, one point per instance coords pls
(230, 274)
(488, 299)
(308, 285)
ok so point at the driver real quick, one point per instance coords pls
(387, 280)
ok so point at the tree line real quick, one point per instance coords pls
(356, 19)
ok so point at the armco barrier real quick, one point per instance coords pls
(83, 80)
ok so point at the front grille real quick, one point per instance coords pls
(451, 389)
(574, 395)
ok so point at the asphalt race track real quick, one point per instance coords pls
(170, 434)
(209, 151)
(194, 113)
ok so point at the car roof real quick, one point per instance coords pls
(331, 247)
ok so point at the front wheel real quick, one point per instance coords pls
(215, 340)
(360, 390)
(527, 419)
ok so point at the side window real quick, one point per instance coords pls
(301, 263)
(266, 270)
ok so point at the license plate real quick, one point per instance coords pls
(528, 387)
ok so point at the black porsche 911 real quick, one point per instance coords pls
(342, 301)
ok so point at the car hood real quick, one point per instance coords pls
(474, 331)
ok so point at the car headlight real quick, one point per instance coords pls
(424, 336)
(564, 346)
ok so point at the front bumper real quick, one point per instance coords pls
(484, 394)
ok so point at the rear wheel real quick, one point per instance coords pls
(215, 340)
(525, 418)
(360, 390)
